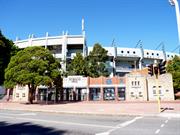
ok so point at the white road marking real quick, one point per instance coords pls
(166, 121)
(162, 125)
(176, 116)
(121, 125)
(104, 133)
(18, 114)
(27, 114)
(170, 115)
(129, 122)
(157, 131)
(57, 122)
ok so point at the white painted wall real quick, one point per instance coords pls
(20, 93)
(165, 86)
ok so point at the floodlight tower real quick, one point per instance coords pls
(175, 3)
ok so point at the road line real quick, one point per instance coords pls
(166, 121)
(170, 115)
(128, 122)
(162, 125)
(57, 122)
(104, 133)
(27, 114)
(18, 114)
(157, 131)
(121, 125)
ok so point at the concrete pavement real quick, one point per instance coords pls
(25, 122)
(100, 108)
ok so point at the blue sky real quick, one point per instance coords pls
(126, 21)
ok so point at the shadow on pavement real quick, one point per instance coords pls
(51, 102)
(27, 128)
(166, 108)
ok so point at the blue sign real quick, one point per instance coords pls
(121, 81)
(108, 81)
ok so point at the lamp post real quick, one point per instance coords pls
(175, 3)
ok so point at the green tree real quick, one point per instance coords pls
(173, 67)
(7, 49)
(96, 61)
(32, 66)
(77, 65)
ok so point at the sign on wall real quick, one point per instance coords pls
(75, 81)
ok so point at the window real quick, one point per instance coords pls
(109, 93)
(121, 93)
(17, 95)
(132, 83)
(147, 53)
(160, 92)
(167, 55)
(138, 82)
(135, 82)
(157, 54)
(154, 91)
(122, 51)
(167, 90)
(127, 51)
(152, 53)
(132, 93)
(23, 95)
(134, 52)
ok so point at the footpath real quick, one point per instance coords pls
(100, 108)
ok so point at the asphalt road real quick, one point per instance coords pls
(38, 123)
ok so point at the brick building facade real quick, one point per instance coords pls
(137, 86)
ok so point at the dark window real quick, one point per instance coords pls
(152, 53)
(168, 55)
(121, 93)
(132, 83)
(122, 51)
(157, 54)
(147, 53)
(134, 52)
(17, 94)
(160, 92)
(127, 51)
(138, 82)
(109, 93)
